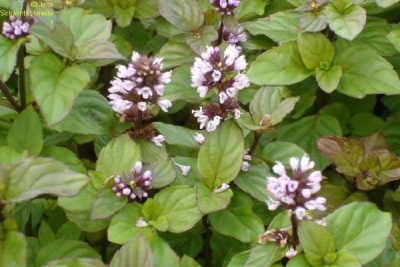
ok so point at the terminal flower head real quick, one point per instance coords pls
(15, 28)
(225, 7)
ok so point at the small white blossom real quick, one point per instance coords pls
(291, 252)
(158, 140)
(164, 104)
(199, 138)
(184, 169)
(223, 187)
(141, 223)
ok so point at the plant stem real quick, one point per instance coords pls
(257, 136)
(9, 96)
(220, 32)
(207, 251)
(21, 62)
(21, 72)
(295, 226)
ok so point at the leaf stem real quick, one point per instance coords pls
(8, 95)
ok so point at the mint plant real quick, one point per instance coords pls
(184, 133)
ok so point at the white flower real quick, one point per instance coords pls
(223, 187)
(118, 104)
(301, 213)
(142, 106)
(306, 164)
(184, 169)
(164, 104)
(231, 54)
(213, 124)
(158, 140)
(273, 204)
(199, 138)
(237, 113)
(316, 204)
(279, 169)
(321, 222)
(125, 72)
(241, 81)
(216, 75)
(141, 223)
(291, 252)
(223, 97)
(245, 166)
(145, 92)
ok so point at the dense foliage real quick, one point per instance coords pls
(167, 133)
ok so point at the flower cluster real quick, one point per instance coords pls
(134, 185)
(136, 89)
(139, 85)
(15, 28)
(222, 72)
(296, 193)
(234, 37)
(225, 7)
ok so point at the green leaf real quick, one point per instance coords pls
(220, 157)
(279, 66)
(180, 86)
(258, 256)
(66, 156)
(123, 225)
(386, 3)
(318, 243)
(123, 14)
(187, 261)
(177, 135)
(308, 130)
(90, 114)
(243, 224)
(146, 9)
(9, 156)
(299, 261)
(55, 86)
(361, 229)
(209, 201)
(186, 15)
(79, 208)
(136, 253)
(282, 152)
(394, 38)
(253, 181)
(75, 263)
(58, 37)
(274, 102)
(280, 27)
(13, 250)
(118, 156)
(8, 56)
(176, 206)
(364, 124)
(36, 176)
(91, 32)
(45, 234)
(164, 256)
(316, 50)
(26, 124)
(249, 9)
(347, 23)
(64, 249)
(107, 204)
(328, 80)
(176, 54)
(201, 39)
(365, 72)
(163, 173)
(375, 36)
